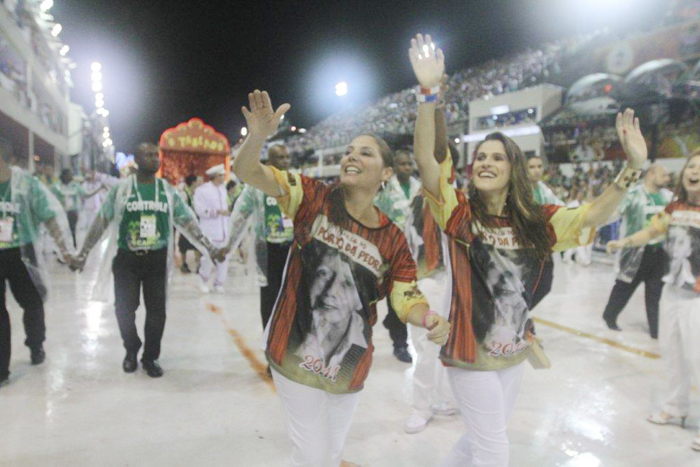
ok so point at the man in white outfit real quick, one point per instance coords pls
(211, 206)
(91, 206)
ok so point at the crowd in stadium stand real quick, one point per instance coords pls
(396, 113)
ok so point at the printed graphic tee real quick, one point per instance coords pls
(492, 278)
(681, 222)
(69, 195)
(279, 228)
(145, 222)
(15, 224)
(320, 333)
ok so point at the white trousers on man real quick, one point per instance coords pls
(430, 384)
(317, 422)
(207, 266)
(486, 400)
(679, 340)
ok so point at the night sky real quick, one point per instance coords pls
(167, 61)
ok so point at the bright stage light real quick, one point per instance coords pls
(57, 28)
(96, 76)
(341, 89)
(99, 96)
(105, 129)
(46, 5)
(244, 130)
(96, 66)
(64, 50)
(294, 128)
(99, 104)
(456, 140)
(97, 86)
(302, 130)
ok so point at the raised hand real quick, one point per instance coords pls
(631, 138)
(428, 62)
(262, 119)
(75, 263)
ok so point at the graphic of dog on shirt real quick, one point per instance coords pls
(334, 309)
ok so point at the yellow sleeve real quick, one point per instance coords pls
(661, 221)
(568, 227)
(290, 183)
(442, 208)
(404, 296)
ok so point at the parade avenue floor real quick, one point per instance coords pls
(215, 405)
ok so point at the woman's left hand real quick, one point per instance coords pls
(631, 139)
(439, 329)
(428, 61)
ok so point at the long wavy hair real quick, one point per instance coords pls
(681, 194)
(526, 216)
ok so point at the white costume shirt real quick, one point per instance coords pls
(209, 200)
(94, 203)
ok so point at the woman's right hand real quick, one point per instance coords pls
(261, 119)
(428, 62)
(614, 245)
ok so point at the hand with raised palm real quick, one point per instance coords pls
(428, 62)
(631, 139)
(262, 120)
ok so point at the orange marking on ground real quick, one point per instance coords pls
(259, 367)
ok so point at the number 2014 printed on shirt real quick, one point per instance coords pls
(315, 365)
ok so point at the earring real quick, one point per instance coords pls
(383, 185)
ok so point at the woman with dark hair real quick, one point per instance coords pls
(346, 256)
(679, 319)
(499, 242)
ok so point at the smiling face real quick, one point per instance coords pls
(535, 169)
(362, 166)
(492, 169)
(691, 179)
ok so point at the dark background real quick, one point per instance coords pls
(167, 61)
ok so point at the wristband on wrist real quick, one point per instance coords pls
(428, 94)
(627, 177)
(425, 316)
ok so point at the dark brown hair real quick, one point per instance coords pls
(526, 216)
(681, 194)
(338, 215)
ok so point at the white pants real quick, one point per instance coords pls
(317, 422)
(679, 331)
(206, 266)
(430, 385)
(584, 255)
(486, 399)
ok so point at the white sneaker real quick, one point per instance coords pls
(219, 289)
(416, 423)
(203, 287)
(444, 409)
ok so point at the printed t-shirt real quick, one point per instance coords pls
(492, 279)
(69, 195)
(424, 238)
(145, 223)
(279, 227)
(16, 225)
(681, 222)
(320, 333)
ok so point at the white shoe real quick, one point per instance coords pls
(663, 418)
(203, 287)
(695, 446)
(444, 409)
(219, 289)
(416, 423)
